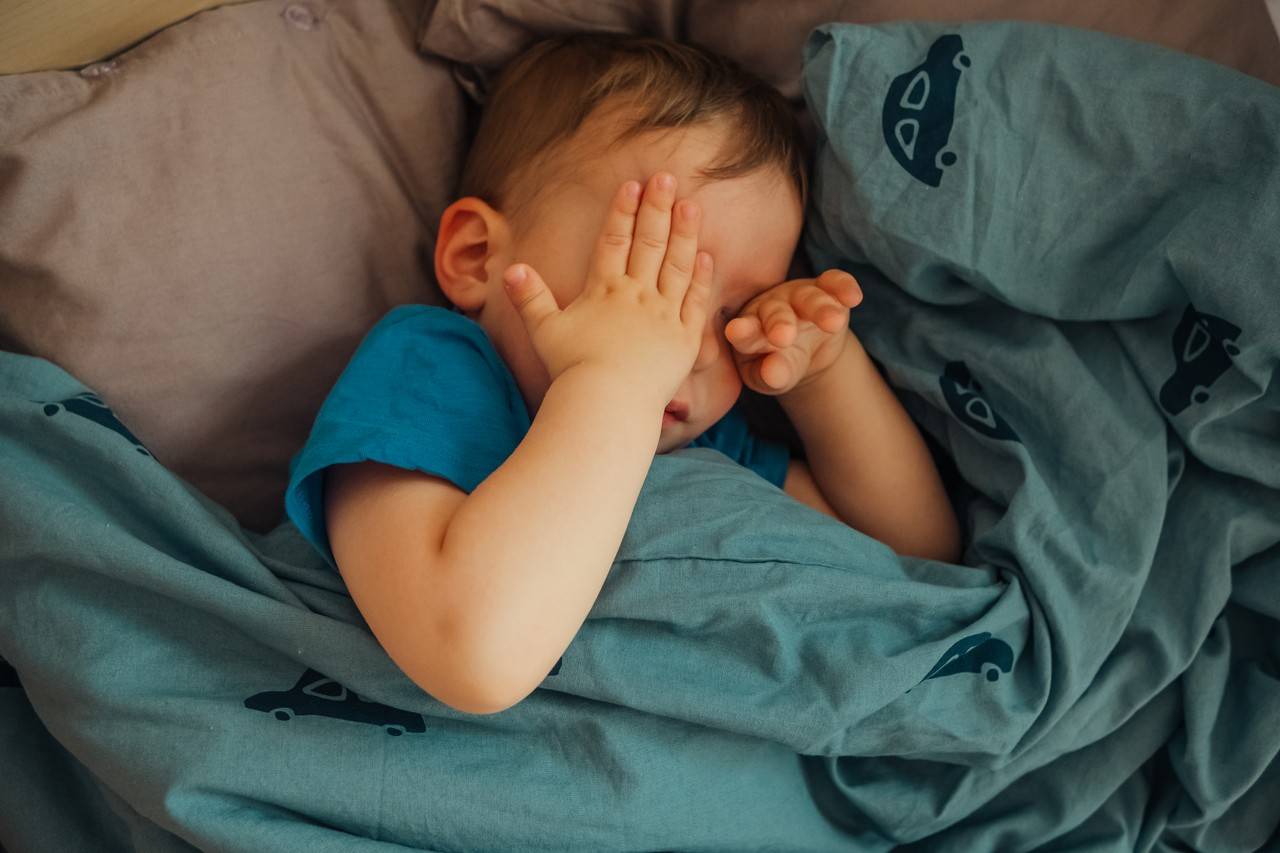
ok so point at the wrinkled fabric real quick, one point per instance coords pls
(1101, 671)
(1066, 243)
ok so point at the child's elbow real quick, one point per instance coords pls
(496, 706)
(481, 708)
(478, 683)
(453, 675)
(491, 696)
(468, 696)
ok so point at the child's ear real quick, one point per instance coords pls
(471, 244)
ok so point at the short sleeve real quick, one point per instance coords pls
(425, 391)
(732, 437)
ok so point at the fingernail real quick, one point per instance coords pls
(514, 276)
(632, 189)
(666, 181)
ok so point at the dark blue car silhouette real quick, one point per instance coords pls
(316, 694)
(91, 407)
(964, 394)
(1203, 348)
(976, 653)
(919, 110)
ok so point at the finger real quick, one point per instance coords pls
(614, 244)
(778, 321)
(745, 335)
(770, 372)
(818, 307)
(533, 300)
(774, 370)
(682, 248)
(842, 286)
(697, 299)
(653, 226)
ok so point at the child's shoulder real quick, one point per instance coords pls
(422, 354)
(415, 321)
(427, 338)
(424, 316)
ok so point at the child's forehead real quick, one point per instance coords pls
(750, 210)
(600, 155)
(746, 219)
(690, 162)
(686, 152)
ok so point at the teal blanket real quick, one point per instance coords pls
(1068, 248)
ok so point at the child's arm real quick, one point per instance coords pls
(870, 461)
(868, 464)
(475, 596)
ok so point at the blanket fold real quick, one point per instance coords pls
(1073, 300)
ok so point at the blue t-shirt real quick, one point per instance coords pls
(426, 390)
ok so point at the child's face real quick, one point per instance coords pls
(750, 225)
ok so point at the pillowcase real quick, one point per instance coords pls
(766, 36)
(202, 228)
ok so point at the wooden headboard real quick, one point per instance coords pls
(40, 35)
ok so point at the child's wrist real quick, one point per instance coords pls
(604, 387)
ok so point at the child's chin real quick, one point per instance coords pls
(668, 443)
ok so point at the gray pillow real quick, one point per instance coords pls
(766, 35)
(202, 228)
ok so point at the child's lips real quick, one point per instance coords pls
(677, 410)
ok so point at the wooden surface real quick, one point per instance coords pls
(39, 35)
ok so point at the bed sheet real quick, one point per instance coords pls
(1101, 673)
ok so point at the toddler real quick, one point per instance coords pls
(630, 209)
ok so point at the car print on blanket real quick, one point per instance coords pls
(317, 694)
(963, 393)
(976, 653)
(90, 406)
(1203, 347)
(920, 108)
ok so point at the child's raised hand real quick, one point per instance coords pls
(641, 314)
(793, 331)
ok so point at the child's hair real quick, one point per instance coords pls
(544, 94)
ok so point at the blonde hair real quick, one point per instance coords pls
(543, 95)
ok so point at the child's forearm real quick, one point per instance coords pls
(870, 461)
(528, 550)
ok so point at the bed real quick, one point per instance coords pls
(1068, 256)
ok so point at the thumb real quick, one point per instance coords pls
(529, 294)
